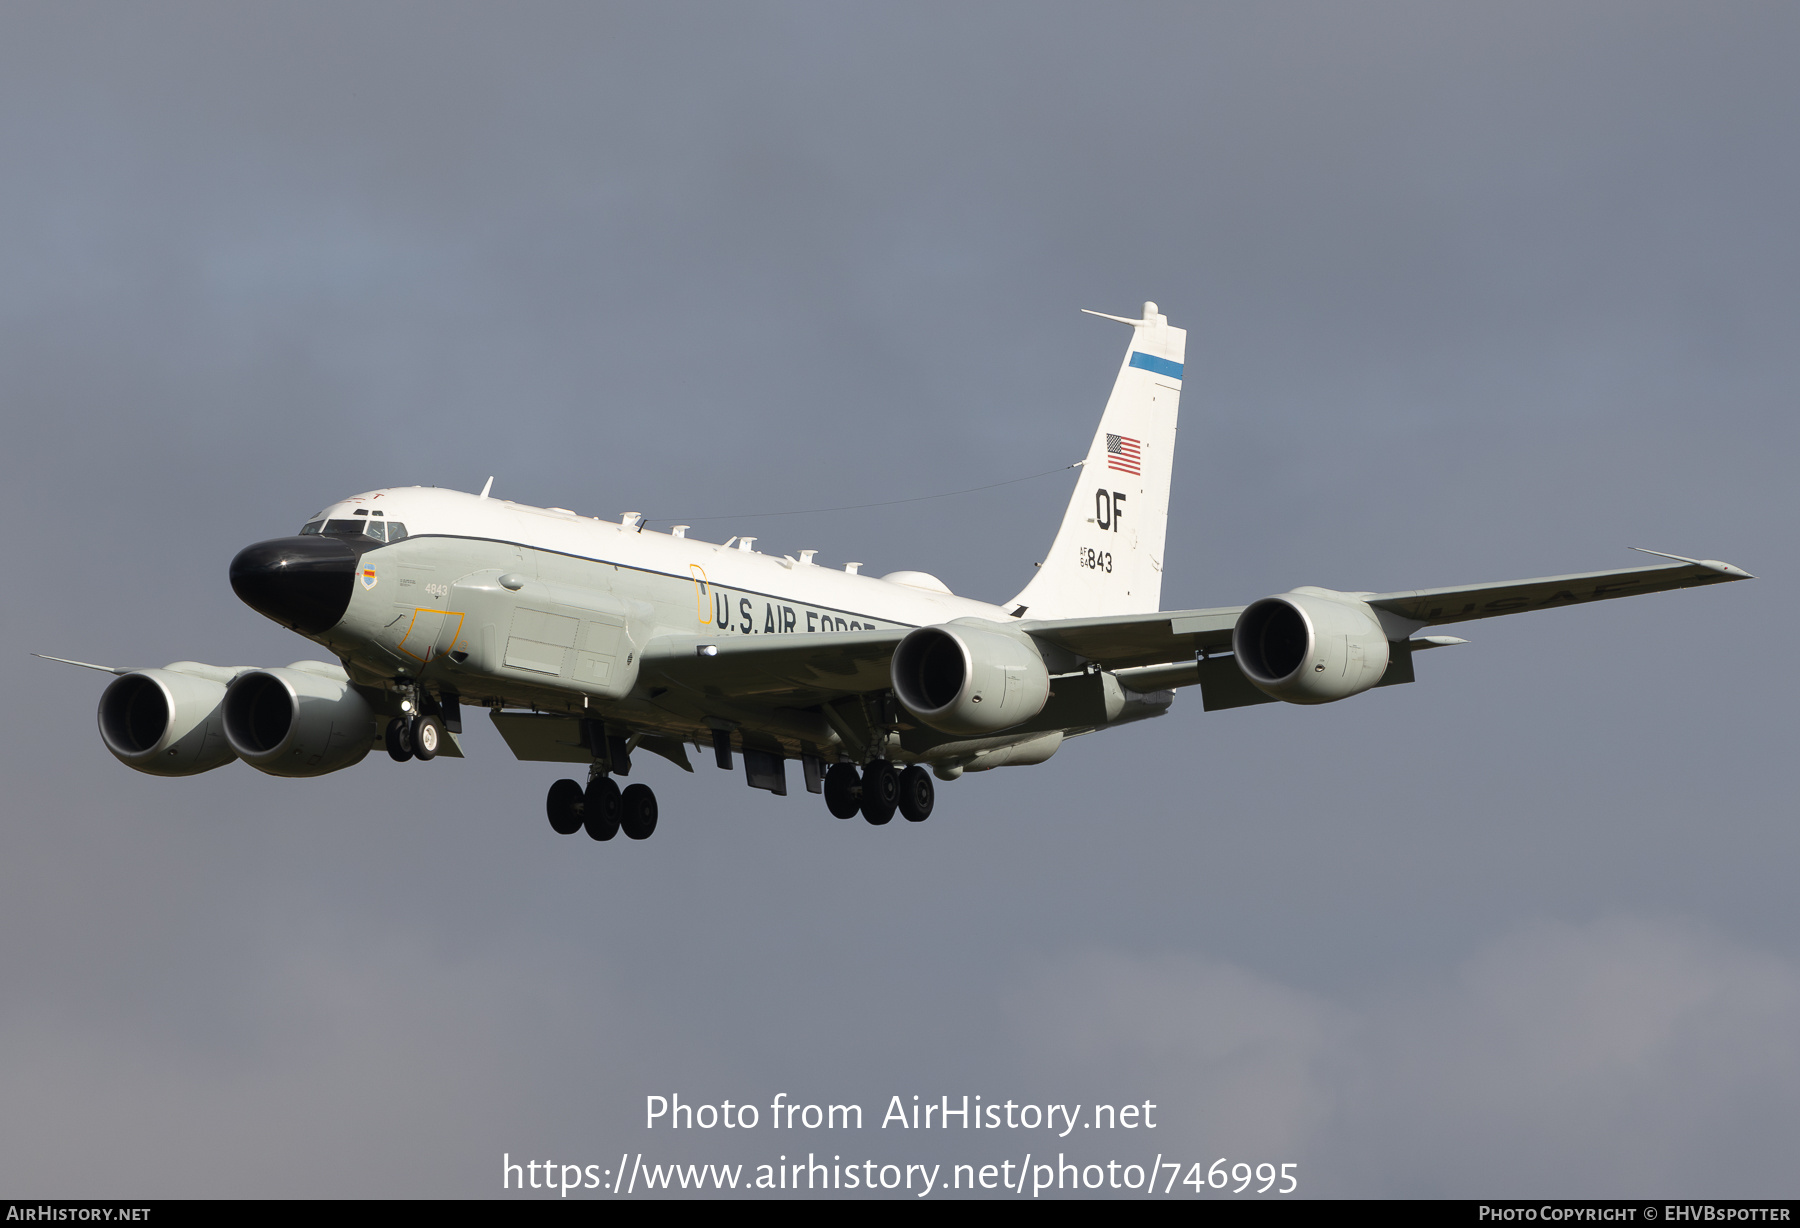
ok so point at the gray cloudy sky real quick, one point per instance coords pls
(1473, 291)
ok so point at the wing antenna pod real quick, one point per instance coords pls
(1710, 564)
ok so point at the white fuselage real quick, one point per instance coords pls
(467, 596)
(449, 513)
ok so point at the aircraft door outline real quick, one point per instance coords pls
(429, 633)
(702, 593)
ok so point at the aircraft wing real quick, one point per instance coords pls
(1128, 640)
(795, 669)
(801, 670)
(1120, 641)
(1436, 606)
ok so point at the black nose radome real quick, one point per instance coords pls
(300, 582)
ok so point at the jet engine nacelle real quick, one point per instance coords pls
(964, 679)
(1310, 646)
(305, 720)
(167, 722)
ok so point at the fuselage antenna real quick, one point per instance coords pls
(488, 487)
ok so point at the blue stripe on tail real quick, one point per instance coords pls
(1161, 366)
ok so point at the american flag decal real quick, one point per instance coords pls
(1122, 453)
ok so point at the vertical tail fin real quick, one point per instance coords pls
(1107, 557)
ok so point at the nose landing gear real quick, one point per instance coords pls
(422, 731)
(427, 737)
(399, 739)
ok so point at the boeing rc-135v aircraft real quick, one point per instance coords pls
(594, 642)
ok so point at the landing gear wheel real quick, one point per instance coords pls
(565, 806)
(427, 737)
(843, 791)
(917, 794)
(399, 740)
(880, 791)
(600, 809)
(637, 809)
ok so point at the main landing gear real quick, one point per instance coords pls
(603, 810)
(878, 790)
(417, 737)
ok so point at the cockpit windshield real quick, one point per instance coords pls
(379, 529)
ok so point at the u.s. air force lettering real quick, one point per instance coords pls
(744, 614)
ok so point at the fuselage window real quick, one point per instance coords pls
(396, 531)
(311, 527)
